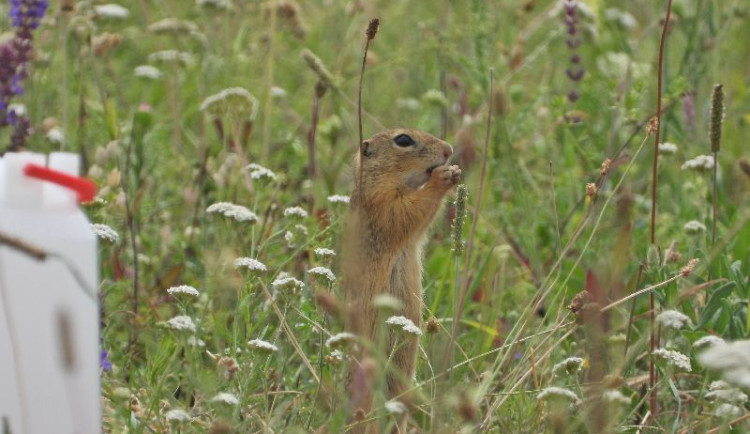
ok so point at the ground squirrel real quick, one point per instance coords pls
(400, 178)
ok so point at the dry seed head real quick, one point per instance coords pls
(591, 190)
(317, 66)
(653, 125)
(690, 267)
(717, 114)
(372, 29)
(606, 165)
(432, 325)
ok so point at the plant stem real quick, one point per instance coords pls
(652, 340)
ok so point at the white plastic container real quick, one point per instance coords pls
(49, 325)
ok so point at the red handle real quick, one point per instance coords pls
(85, 188)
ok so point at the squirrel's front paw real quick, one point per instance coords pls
(446, 176)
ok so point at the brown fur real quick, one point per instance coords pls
(397, 193)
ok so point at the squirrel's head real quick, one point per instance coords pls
(399, 159)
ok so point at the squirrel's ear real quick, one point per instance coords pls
(364, 148)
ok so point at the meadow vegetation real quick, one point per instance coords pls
(221, 134)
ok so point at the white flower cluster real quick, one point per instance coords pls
(295, 211)
(667, 148)
(111, 10)
(105, 232)
(250, 263)
(234, 99)
(287, 283)
(226, 398)
(323, 252)
(673, 319)
(147, 71)
(615, 396)
(549, 393)
(56, 135)
(181, 323)
(183, 290)
(732, 359)
(177, 415)
(323, 272)
(722, 391)
(171, 56)
(707, 341)
(263, 346)
(395, 407)
(340, 340)
(338, 198)
(258, 172)
(236, 212)
(700, 163)
(569, 366)
(406, 325)
(674, 358)
(694, 227)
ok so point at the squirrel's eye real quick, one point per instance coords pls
(404, 140)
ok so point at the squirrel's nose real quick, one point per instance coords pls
(447, 150)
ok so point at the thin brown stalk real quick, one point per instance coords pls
(652, 330)
(372, 30)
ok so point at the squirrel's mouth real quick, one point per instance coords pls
(431, 168)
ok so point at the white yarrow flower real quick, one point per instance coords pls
(295, 211)
(177, 415)
(700, 163)
(323, 272)
(263, 346)
(287, 283)
(707, 341)
(721, 391)
(236, 212)
(557, 392)
(674, 358)
(673, 319)
(694, 227)
(323, 252)
(111, 11)
(105, 232)
(395, 407)
(56, 135)
(183, 290)
(171, 56)
(147, 71)
(667, 148)
(615, 396)
(569, 366)
(233, 99)
(250, 263)
(181, 323)
(405, 323)
(226, 398)
(338, 198)
(732, 359)
(341, 340)
(727, 411)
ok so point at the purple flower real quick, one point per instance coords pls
(104, 360)
(576, 75)
(25, 16)
(573, 96)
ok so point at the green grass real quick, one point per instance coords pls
(539, 240)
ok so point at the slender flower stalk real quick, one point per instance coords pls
(15, 54)
(714, 134)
